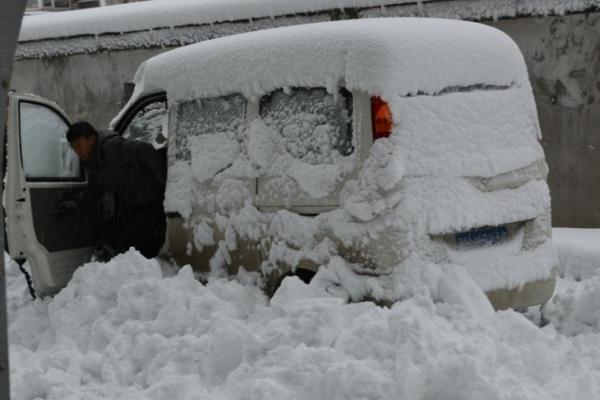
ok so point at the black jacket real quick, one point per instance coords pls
(133, 171)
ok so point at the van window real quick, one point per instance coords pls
(316, 125)
(223, 115)
(46, 154)
(149, 124)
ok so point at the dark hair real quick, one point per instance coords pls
(80, 129)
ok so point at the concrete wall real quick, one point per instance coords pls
(562, 54)
(86, 86)
(563, 57)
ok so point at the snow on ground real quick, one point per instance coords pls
(135, 329)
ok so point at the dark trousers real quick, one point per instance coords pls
(143, 227)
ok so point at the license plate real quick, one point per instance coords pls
(485, 236)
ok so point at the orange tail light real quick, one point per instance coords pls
(381, 118)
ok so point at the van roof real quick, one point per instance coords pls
(386, 56)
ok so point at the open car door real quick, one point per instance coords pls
(42, 173)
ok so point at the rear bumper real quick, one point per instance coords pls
(530, 294)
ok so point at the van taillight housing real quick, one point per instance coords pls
(381, 118)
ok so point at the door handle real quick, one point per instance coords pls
(21, 200)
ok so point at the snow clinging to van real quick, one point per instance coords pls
(361, 152)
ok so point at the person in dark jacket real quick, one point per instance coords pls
(135, 174)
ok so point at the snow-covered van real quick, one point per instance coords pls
(366, 151)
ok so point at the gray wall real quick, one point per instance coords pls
(562, 54)
(86, 86)
(563, 57)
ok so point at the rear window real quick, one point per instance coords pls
(219, 115)
(316, 125)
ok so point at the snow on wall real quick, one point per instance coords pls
(157, 37)
(177, 23)
(169, 13)
(478, 10)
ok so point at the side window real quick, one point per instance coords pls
(46, 154)
(220, 115)
(149, 124)
(315, 125)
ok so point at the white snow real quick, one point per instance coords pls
(389, 57)
(580, 251)
(176, 13)
(130, 329)
(171, 23)
(171, 13)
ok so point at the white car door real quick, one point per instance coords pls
(42, 173)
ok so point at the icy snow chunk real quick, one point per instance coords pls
(292, 289)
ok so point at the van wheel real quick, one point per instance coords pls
(273, 284)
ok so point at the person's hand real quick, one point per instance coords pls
(64, 207)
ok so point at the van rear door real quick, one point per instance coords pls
(42, 175)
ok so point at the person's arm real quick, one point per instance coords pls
(92, 193)
(154, 160)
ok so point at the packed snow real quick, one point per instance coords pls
(142, 329)
(388, 57)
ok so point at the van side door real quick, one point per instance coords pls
(43, 177)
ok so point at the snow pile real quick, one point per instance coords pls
(576, 310)
(127, 330)
(579, 252)
(576, 307)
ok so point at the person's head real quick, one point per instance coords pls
(82, 137)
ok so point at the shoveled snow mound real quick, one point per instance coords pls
(579, 253)
(576, 306)
(128, 329)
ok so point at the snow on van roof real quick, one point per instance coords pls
(392, 56)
